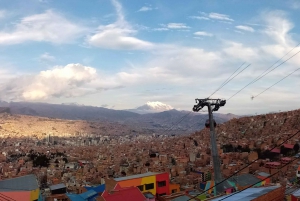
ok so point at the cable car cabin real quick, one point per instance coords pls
(207, 123)
(298, 172)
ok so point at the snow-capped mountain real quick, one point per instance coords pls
(152, 107)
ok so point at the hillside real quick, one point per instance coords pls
(149, 123)
(256, 131)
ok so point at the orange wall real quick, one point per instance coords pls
(174, 186)
(131, 182)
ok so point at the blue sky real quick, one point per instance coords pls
(125, 53)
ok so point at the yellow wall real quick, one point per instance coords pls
(148, 180)
(34, 195)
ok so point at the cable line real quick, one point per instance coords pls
(247, 165)
(266, 73)
(259, 181)
(226, 81)
(275, 83)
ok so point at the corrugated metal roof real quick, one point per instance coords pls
(24, 183)
(296, 193)
(57, 186)
(181, 198)
(147, 174)
(88, 194)
(263, 174)
(98, 189)
(245, 179)
(248, 194)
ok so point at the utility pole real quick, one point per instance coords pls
(217, 103)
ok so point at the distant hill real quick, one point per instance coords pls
(72, 112)
(4, 110)
(157, 122)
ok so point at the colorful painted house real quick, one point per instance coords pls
(174, 188)
(23, 188)
(155, 183)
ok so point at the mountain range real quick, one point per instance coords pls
(154, 116)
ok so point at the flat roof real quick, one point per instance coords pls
(248, 194)
(23, 183)
(147, 174)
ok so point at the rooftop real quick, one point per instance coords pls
(147, 174)
(248, 194)
(24, 183)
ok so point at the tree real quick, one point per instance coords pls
(173, 161)
(283, 150)
(41, 161)
(296, 148)
(66, 160)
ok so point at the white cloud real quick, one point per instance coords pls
(177, 26)
(118, 35)
(278, 27)
(245, 28)
(202, 33)
(218, 16)
(2, 14)
(160, 29)
(49, 27)
(145, 8)
(199, 17)
(62, 81)
(46, 57)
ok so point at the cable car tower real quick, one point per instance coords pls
(216, 103)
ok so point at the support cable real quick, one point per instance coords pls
(264, 74)
(226, 81)
(247, 165)
(259, 181)
(275, 83)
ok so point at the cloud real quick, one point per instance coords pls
(199, 17)
(46, 57)
(278, 27)
(3, 14)
(119, 35)
(48, 27)
(161, 29)
(176, 26)
(245, 28)
(202, 33)
(145, 8)
(213, 16)
(218, 16)
(71, 80)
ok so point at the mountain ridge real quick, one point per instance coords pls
(157, 122)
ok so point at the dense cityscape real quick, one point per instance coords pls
(68, 164)
(117, 100)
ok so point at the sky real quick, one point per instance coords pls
(121, 54)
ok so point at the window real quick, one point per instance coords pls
(141, 187)
(174, 190)
(161, 183)
(149, 186)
